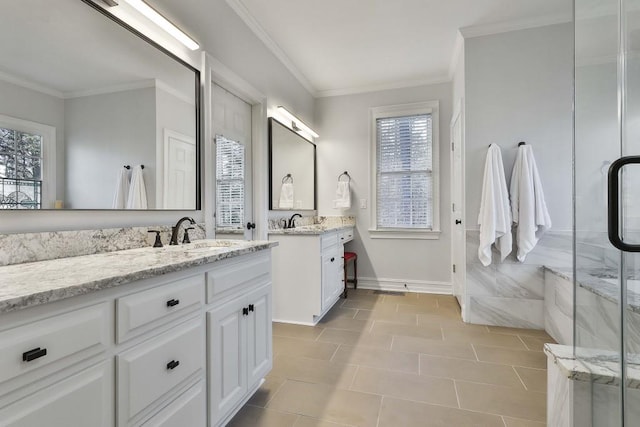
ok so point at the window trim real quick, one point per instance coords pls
(48, 134)
(429, 107)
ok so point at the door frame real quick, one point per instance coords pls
(217, 73)
(458, 115)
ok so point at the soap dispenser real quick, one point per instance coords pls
(158, 242)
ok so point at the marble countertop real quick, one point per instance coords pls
(35, 283)
(310, 229)
(596, 366)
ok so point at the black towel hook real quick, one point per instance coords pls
(521, 143)
(345, 173)
(287, 178)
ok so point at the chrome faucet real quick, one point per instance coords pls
(176, 229)
(292, 220)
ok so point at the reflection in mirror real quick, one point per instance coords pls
(293, 169)
(80, 97)
(229, 184)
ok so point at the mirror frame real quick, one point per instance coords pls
(315, 167)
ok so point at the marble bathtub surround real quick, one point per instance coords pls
(29, 284)
(33, 247)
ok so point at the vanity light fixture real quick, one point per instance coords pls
(142, 7)
(296, 124)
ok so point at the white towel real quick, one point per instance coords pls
(343, 196)
(286, 196)
(137, 191)
(122, 190)
(495, 214)
(528, 207)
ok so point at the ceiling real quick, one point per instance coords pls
(347, 46)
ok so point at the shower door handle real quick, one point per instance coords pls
(614, 203)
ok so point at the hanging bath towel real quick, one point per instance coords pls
(528, 207)
(343, 196)
(495, 213)
(286, 196)
(122, 190)
(137, 191)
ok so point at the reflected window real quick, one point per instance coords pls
(21, 159)
(230, 164)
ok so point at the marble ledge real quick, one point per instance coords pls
(595, 366)
(36, 283)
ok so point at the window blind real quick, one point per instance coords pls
(404, 172)
(229, 183)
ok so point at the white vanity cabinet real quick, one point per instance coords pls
(143, 354)
(307, 274)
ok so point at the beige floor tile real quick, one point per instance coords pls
(377, 358)
(266, 391)
(534, 379)
(386, 328)
(296, 331)
(433, 347)
(516, 422)
(354, 338)
(303, 348)
(364, 304)
(403, 413)
(416, 302)
(418, 309)
(388, 316)
(340, 312)
(313, 370)
(449, 303)
(482, 338)
(347, 324)
(518, 331)
(251, 416)
(536, 343)
(506, 356)
(327, 403)
(499, 400)
(468, 370)
(437, 391)
(304, 421)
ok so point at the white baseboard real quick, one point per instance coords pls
(398, 285)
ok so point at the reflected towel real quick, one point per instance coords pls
(528, 206)
(122, 190)
(343, 196)
(137, 191)
(495, 213)
(286, 196)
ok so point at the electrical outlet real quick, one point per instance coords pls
(363, 203)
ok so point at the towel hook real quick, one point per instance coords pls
(287, 178)
(127, 167)
(521, 143)
(345, 173)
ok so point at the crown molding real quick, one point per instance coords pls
(382, 87)
(27, 84)
(522, 24)
(246, 16)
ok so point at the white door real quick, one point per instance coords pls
(232, 125)
(458, 242)
(180, 171)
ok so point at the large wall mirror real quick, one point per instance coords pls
(292, 178)
(82, 95)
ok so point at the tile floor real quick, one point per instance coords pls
(395, 361)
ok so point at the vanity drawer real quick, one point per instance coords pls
(138, 312)
(328, 239)
(74, 335)
(234, 274)
(151, 370)
(345, 235)
(189, 409)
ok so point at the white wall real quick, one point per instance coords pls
(458, 83)
(344, 144)
(518, 87)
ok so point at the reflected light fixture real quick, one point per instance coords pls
(142, 7)
(296, 124)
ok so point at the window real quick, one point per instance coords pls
(26, 164)
(404, 154)
(229, 183)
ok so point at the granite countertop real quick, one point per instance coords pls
(597, 366)
(310, 229)
(35, 283)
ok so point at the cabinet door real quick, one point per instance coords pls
(259, 334)
(330, 264)
(188, 410)
(83, 399)
(227, 328)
